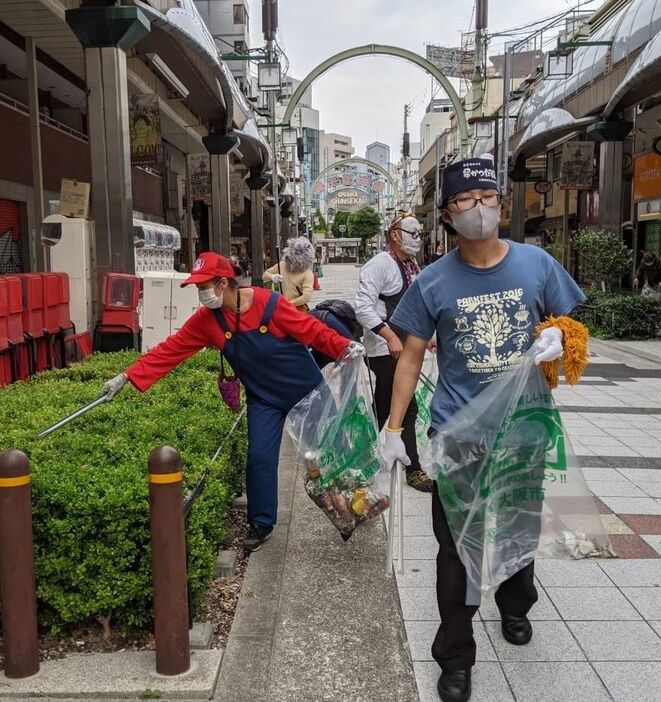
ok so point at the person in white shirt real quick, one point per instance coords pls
(383, 281)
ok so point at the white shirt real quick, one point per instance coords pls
(379, 276)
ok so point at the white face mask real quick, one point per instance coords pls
(410, 245)
(209, 299)
(480, 222)
(409, 236)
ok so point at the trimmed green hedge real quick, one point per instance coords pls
(90, 491)
(618, 316)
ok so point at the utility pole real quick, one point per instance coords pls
(406, 152)
(479, 70)
(299, 199)
(293, 175)
(437, 187)
(269, 29)
(504, 143)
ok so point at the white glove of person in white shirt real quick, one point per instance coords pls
(277, 278)
(548, 346)
(355, 350)
(393, 449)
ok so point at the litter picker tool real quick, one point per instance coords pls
(74, 415)
(277, 255)
(396, 503)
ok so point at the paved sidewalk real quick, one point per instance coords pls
(318, 619)
(597, 623)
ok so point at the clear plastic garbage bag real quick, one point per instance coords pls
(336, 433)
(423, 397)
(510, 484)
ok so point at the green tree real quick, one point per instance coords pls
(364, 224)
(341, 218)
(319, 222)
(603, 257)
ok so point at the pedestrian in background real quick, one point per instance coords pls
(648, 275)
(438, 253)
(294, 272)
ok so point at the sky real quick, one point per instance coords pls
(364, 98)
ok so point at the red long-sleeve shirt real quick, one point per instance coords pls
(202, 330)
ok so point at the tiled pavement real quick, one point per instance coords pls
(597, 623)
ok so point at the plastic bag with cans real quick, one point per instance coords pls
(335, 431)
(510, 484)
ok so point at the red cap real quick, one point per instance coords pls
(208, 266)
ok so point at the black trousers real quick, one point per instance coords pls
(454, 645)
(383, 368)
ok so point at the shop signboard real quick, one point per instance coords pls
(238, 193)
(647, 177)
(454, 62)
(145, 130)
(348, 200)
(74, 199)
(577, 165)
(649, 209)
(200, 178)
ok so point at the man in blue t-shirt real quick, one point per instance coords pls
(483, 301)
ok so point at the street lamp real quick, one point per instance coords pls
(289, 137)
(269, 76)
(290, 140)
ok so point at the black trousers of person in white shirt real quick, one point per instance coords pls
(383, 368)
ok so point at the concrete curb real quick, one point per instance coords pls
(123, 675)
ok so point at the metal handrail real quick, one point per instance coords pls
(50, 121)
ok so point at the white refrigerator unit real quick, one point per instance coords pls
(165, 305)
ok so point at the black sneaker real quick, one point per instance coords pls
(256, 537)
(419, 480)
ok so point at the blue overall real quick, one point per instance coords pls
(276, 373)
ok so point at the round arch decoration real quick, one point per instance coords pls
(354, 160)
(397, 52)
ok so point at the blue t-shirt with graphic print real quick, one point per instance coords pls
(484, 318)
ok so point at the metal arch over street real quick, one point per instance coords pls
(397, 52)
(354, 160)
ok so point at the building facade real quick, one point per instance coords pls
(379, 153)
(228, 22)
(334, 148)
(133, 129)
(435, 121)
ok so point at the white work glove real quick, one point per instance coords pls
(112, 387)
(393, 449)
(277, 278)
(355, 350)
(548, 346)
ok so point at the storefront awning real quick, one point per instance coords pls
(187, 46)
(640, 80)
(547, 127)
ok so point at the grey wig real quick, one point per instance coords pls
(299, 255)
